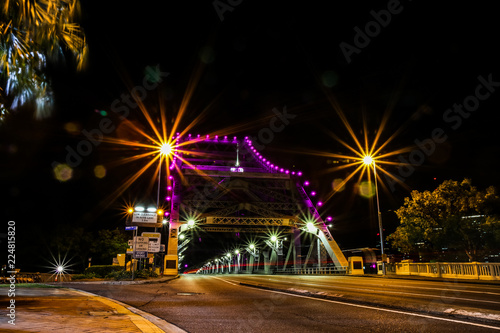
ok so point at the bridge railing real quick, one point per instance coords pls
(314, 271)
(468, 270)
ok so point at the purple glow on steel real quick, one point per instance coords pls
(263, 160)
(225, 137)
(168, 198)
(167, 213)
(293, 172)
(169, 188)
(306, 183)
(313, 193)
(268, 162)
(281, 170)
(246, 137)
(320, 203)
(170, 177)
(234, 139)
(208, 136)
(287, 172)
(276, 167)
(299, 173)
(260, 157)
(272, 165)
(329, 218)
(198, 136)
(216, 137)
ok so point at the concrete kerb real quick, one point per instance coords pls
(126, 282)
(146, 322)
(425, 278)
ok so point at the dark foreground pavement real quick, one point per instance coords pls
(70, 310)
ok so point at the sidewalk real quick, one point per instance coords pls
(69, 310)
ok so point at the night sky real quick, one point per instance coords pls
(420, 60)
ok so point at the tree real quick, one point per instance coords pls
(456, 215)
(108, 244)
(34, 32)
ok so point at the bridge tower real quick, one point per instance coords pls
(225, 184)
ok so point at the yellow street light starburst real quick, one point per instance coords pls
(367, 160)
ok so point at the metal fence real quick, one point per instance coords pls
(314, 271)
(469, 270)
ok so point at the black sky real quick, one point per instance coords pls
(264, 56)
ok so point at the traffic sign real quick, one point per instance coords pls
(131, 227)
(140, 254)
(141, 243)
(145, 217)
(154, 241)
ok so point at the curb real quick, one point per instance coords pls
(160, 280)
(145, 321)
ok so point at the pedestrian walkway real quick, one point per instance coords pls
(69, 310)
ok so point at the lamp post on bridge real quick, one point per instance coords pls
(368, 160)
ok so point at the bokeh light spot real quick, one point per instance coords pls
(63, 172)
(329, 79)
(100, 171)
(207, 55)
(367, 189)
(338, 185)
(72, 128)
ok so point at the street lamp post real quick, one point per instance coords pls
(368, 160)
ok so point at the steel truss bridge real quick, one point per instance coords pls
(225, 185)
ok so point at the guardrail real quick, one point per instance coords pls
(22, 278)
(313, 271)
(469, 270)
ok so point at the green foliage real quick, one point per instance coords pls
(127, 275)
(107, 245)
(102, 271)
(33, 33)
(443, 218)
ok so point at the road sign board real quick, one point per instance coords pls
(154, 241)
(154, 245)
(140, 254)
(141, 243)
(145, 217)
(131, 227)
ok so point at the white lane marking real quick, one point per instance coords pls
(369, 307)
(387, 291)
(430, 288)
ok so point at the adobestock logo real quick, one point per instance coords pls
(372, 29)
(454, 118)
(120, 106)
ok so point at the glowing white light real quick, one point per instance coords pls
(310, 227)
(367, 160)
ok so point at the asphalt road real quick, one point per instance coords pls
(204, 303)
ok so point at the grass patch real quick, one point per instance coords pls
(30, 285)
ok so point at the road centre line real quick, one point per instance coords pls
(366, 306)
